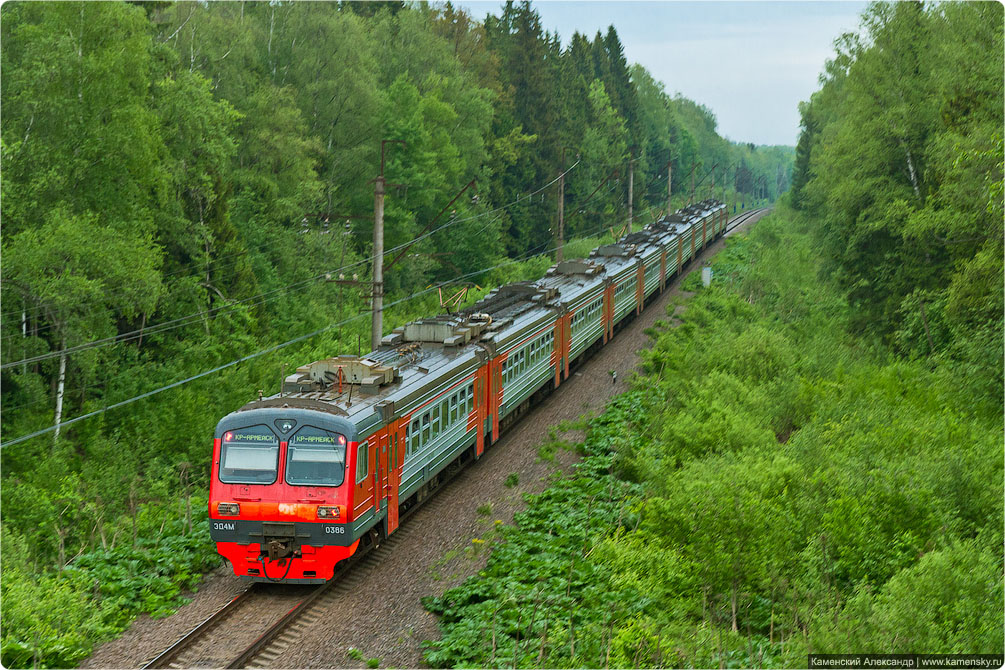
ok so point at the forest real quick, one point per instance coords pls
(810, 461)
(181, 181)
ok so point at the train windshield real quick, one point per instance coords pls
(315, 457)
(249, 456)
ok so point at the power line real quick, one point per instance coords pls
(214, 263)
(195, 316)
(174, 291)
(37, 311)
(268, 350)
(157, 328)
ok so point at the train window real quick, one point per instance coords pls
(362, 461)
(413, 436)
(315, 457)
(425, 428)
(470, 399)
(437, 420)
(249, 456)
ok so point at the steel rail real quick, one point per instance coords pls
(164, 659)
(275, 629)
(743, 218)
(449, 474)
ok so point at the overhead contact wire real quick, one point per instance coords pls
(196, 316)
(249, 357)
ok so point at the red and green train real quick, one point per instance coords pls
(299, 479)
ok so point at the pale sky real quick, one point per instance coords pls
(750, 62)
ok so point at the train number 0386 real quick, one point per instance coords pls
(334, 530)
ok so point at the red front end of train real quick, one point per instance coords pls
(280, 495)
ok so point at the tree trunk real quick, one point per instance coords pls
(733, 605)
(912, 173)
(631, 191)
(143, 324)
(59, 391)
(61, 534)
(24, 335)
(34, 333)
(928, 334)
(572, 639)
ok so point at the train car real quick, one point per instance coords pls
(581, 287)
(650, 248)
(622, 267)
(300, 479)
(524, 345)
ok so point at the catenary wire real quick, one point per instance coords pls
(195, 316)
(268, 350)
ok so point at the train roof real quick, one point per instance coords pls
(428, 351)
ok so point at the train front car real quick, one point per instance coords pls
(279, 492)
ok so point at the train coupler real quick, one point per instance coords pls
(277, 550)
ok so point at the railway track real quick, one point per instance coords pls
(198, 648)
(284, 611)
(743, 218)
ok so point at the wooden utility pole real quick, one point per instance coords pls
(734, 190)
(379, 187)
(669, 190)
(377, 323)
(692, 184)
(559, 252)
(631, 190)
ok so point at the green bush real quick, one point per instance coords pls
(54, 620)
(794, 488)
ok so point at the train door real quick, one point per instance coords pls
(379, 454)
(703, 225)
(608, 311)
(663, 270)
(364, 492)
(557, 353)
(567, 346)
(391, 473)
(395, 455)
(496, 393)
(481, 409)
(680, 255)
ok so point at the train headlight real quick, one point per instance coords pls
(228, 509)
(326, 512)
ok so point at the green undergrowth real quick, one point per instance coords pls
(540, 599)
(53, 621)
(775, 484)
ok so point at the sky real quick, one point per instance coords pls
(750, 62)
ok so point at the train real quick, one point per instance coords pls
(350, 443)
